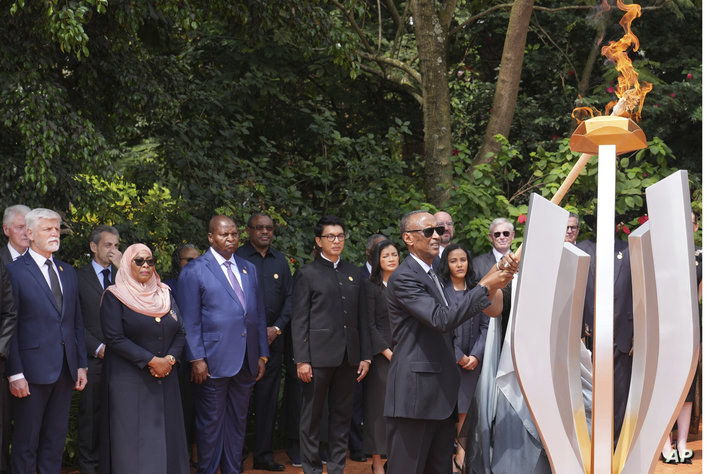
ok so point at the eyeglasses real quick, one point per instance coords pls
(428, 231)
(332, 237)
(571, 228)
(187, 259)
(140, 261)
(268, 228)
(504, 233)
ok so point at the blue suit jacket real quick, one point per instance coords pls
(45, 334)
(217, 327)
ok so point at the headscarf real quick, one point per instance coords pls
(152, 298)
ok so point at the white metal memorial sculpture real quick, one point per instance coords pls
(547, 321)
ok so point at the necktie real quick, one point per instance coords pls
(54, 283)
(435, 278)
(107, 281)
(235, 285)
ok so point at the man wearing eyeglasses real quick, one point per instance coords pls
(331, 345)
(226, 342)
(276, 286)
(423, 378)
(93, 279)
(572, 228)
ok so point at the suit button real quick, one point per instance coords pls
(343, 297)
(345, 327)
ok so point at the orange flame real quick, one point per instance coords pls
(628, 88)
(583, 113)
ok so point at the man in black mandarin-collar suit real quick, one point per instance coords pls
(47, 356)
(104, 245)
(423, 378)
(276, 286)
(331, 345)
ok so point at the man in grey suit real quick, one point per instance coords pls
(93, 279)
(423, 379)
(13, 225)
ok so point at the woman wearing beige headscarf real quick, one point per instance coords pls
(143, 419)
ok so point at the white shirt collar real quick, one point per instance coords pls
(369, 267)
(39, 259)
(497, 255)
(336, 263)
(221, 260)
(13, 253)
(425, 266)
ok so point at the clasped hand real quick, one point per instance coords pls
(159, 367)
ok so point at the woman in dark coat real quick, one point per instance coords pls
(373, 308)
(142, 429)
(458, 276)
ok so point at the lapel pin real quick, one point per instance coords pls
(158, 320)
(351, 278)
(244, 270)
(619, 256)
(61, 269)
(276, 276)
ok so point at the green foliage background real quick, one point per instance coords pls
(154, 116)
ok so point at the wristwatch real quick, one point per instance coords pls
(279, 331)
(171, 359)
(486, 289)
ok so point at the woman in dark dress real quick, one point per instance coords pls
(372, 308)
(458, 276)
(142, 429)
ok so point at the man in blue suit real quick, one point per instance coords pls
(47, 353)
(226, 342)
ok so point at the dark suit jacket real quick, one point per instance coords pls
(217, 327)
(423, 378)
(8, 313)
(481, 264)
(372, 307)
(622, 290)
(5, 256)
(46, 334)
(325, 320)
(90, 292)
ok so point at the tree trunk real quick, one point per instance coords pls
(510, 71)
(437, 147)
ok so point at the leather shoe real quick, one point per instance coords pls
(358, 457)
(268, 466)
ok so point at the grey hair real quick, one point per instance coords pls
(575, 216)
(12, 211)
(404, 220)
(33, 217)
(499, 221)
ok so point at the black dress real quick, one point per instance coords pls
(142, 429)
(373, 308)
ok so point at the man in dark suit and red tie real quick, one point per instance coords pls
(226, 342)
(94, 278)
(47, 353)
(423, 378)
